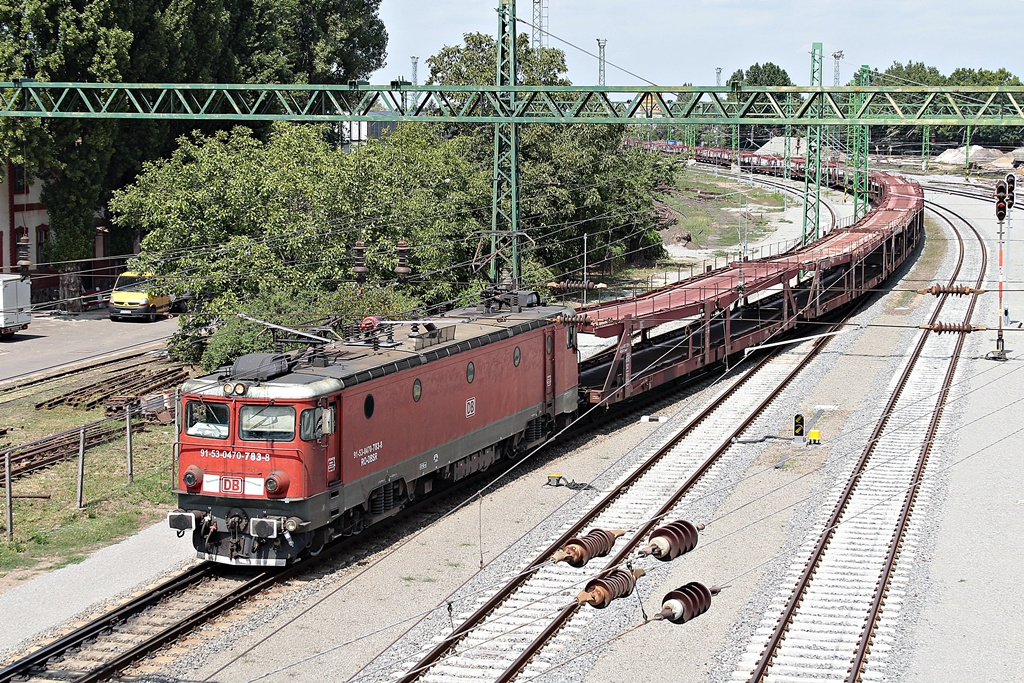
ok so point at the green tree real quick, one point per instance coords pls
(267, 228)
(753, 137)
(574, 179)
(81, 161)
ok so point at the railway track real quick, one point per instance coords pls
(827, 618)
(50, 450)
(107, 645)
(508, 631)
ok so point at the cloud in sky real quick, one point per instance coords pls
(671, 42)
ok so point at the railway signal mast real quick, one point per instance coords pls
(1004, 200)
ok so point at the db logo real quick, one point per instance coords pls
(471, 407)
(232, 485)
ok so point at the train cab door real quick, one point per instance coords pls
(549, 370)
(330, 440)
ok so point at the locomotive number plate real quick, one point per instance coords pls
(232, 484)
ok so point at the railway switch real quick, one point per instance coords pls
(686, 602)
(596, 543)
(618, 583)
(672, 540)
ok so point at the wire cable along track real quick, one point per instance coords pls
(832, 604)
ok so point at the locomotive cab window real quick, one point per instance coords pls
(570, 337)
(266, 423)
(208, 420)
(315, 422)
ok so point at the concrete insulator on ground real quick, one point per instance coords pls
(672, 540)
(596, 543)
(616, 583)
(686, 602)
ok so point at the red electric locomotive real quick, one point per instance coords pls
(280, 452)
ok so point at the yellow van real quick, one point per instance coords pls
(130, 298)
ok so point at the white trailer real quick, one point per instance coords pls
(15, 304)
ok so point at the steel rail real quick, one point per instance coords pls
(36, 661)
(785, 619)
(477, 617)
(629, 546)
(874, 612)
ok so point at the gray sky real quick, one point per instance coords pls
(671, 42)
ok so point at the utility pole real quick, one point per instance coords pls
(539, 37)
(415, 65)
(834, 135)
(718, 129)
(926, 147)
(601, 42)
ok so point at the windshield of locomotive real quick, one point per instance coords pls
(208, 420)
(266, 423)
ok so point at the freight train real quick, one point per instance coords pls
(280, 452)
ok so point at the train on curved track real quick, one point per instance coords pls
(279, 453)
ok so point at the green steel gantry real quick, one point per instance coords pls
(859, 153)
(506, 105)
(812, 157)
(505, 191)
(882, 105)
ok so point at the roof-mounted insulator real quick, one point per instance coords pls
(576, 285)
(958, 290)
(672, 540)
(584, 319)
(686, 602)
(402, 269)
(617, 583)
(359, 261)
(578, 551)
(941, 328)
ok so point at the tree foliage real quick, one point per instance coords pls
(267, 228)
(81, 161)
(574, 179)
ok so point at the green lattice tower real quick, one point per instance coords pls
(505, 191)
(812, 159)
(926, 147)
(787, 145)
(860, 156)
(691, 139)
(736, 144)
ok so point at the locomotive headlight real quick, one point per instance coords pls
(277, 483)
(240, 389)
(228, 388)
(193, 476)
(236, 389)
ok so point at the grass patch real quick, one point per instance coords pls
(52, 533)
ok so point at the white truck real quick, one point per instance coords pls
(15, 305)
